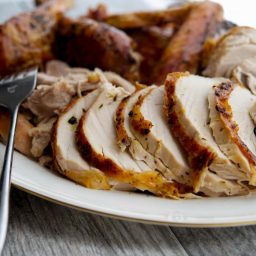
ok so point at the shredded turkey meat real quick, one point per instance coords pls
(41, 136)
(48, 100)
(60, 83)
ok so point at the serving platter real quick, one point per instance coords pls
(29, 176)
(208, 212)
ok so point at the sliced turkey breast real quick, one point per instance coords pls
(147, 113)
(233, 128)
(151, 129)
(186, 107)
(126, 139)
(96, 139)
(212, 186)
(68, 160)
(122, 126)
(231, 50)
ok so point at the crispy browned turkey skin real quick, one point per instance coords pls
(26, 39)
(65, 4)
(222, 95)
(183, 51)
(23, 141)
(151, 42)
(99, 44)
(199, 156)
(151, 18)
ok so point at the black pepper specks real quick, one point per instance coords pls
(130, 114)
(254, 130)
(72, 120)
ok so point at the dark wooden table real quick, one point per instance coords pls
(39, 228)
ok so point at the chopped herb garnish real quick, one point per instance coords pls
(115, 98)
(100, 106)
(72, 120)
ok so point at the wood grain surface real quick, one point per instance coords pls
(38, 227)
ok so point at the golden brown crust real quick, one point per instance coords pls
(199, 157)
(26, 39)
(23, 141)
(149, 180)
(145, 19)
(138, 122)
(122, 136)
(151, 43)
(222, 94)
(183, 51)
(99, 44)
(88, 178)
(61, 4)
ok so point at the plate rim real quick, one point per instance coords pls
(133, 219)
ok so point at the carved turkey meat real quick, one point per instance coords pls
(232, 126)
(186, 108)
(96, 139)
(67, 158)
(234, 56)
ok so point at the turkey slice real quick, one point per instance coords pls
(245, 73)
(233, 128)
(231, 50)
(213, 185)
(187, 111)
(96, 138)
(160, 142)
(126, 139)
(151, 129)
(68, 160)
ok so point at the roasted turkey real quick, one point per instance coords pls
(89, 118)
(26, 40)
(99, 44)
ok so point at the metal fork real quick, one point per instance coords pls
(13, 90)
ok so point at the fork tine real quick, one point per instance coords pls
(18, 75)
(31, 72)
(25, 73)
(5, 79)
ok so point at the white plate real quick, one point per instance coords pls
(29, 176)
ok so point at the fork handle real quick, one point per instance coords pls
(5, 178)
